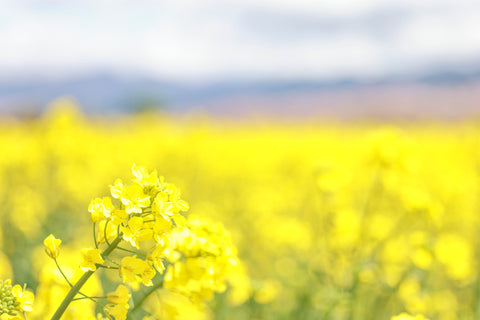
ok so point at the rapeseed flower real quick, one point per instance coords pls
(135, 231)
(134, 270)
(118, 306)
(118, 311)
(52, 245)
(145, 179)
(120, 296)
(90, 257)
(134, 199)
(24, 298)
(100, 208)
(14, 300)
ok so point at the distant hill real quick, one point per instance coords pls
(108, 93)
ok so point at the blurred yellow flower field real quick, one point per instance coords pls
(342, 221)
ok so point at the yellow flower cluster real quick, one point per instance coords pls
(146, 209)
(14, 301)
(201, 261)
(200, 256)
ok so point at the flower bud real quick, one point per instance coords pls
(52, 244)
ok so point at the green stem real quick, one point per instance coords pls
(131, 251)
(107, 267)
(95, 236)
(147, 294)
(66, 279)
(76, 288)
(63, 274)
(112, 261)
(105, 232)
(81, 298)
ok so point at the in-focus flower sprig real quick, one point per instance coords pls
(142, 213)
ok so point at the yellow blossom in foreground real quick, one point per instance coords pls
(117, 189)
(118, 217)
(52, 245)
(161, 229)
(135, 231)
(143, 178)
(90, 257)
(119, 296)
(135, 270)
(134, 199)
(156, 257)
(100, 208)
(24, 298)
(118, 311)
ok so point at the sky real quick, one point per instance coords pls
(211, 40)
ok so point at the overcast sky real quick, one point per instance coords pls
(197, 40)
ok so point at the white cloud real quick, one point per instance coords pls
(192, 39)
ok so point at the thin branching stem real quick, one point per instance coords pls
(81, 298)
(107, 267)
(69, 283)
(131, 251)
(95, 236)
(146, 295)
(76, 288)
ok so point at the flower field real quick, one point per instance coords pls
(337, 221)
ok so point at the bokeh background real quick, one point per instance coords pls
(337, 141)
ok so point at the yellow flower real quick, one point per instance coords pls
(143, 178)
(135, 270)
(119, 303)
(90, 257)
(161, 206)
(134, 199)
(24, 298)
(118, 311)
(119, 296)
(118, 217)
(156, 257)
(52, 245)
(100, 208)
(117, 189)
(135, 231)
(161, 228)
(179, 204)
(179, 220)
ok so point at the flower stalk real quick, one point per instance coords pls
(76, 288)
